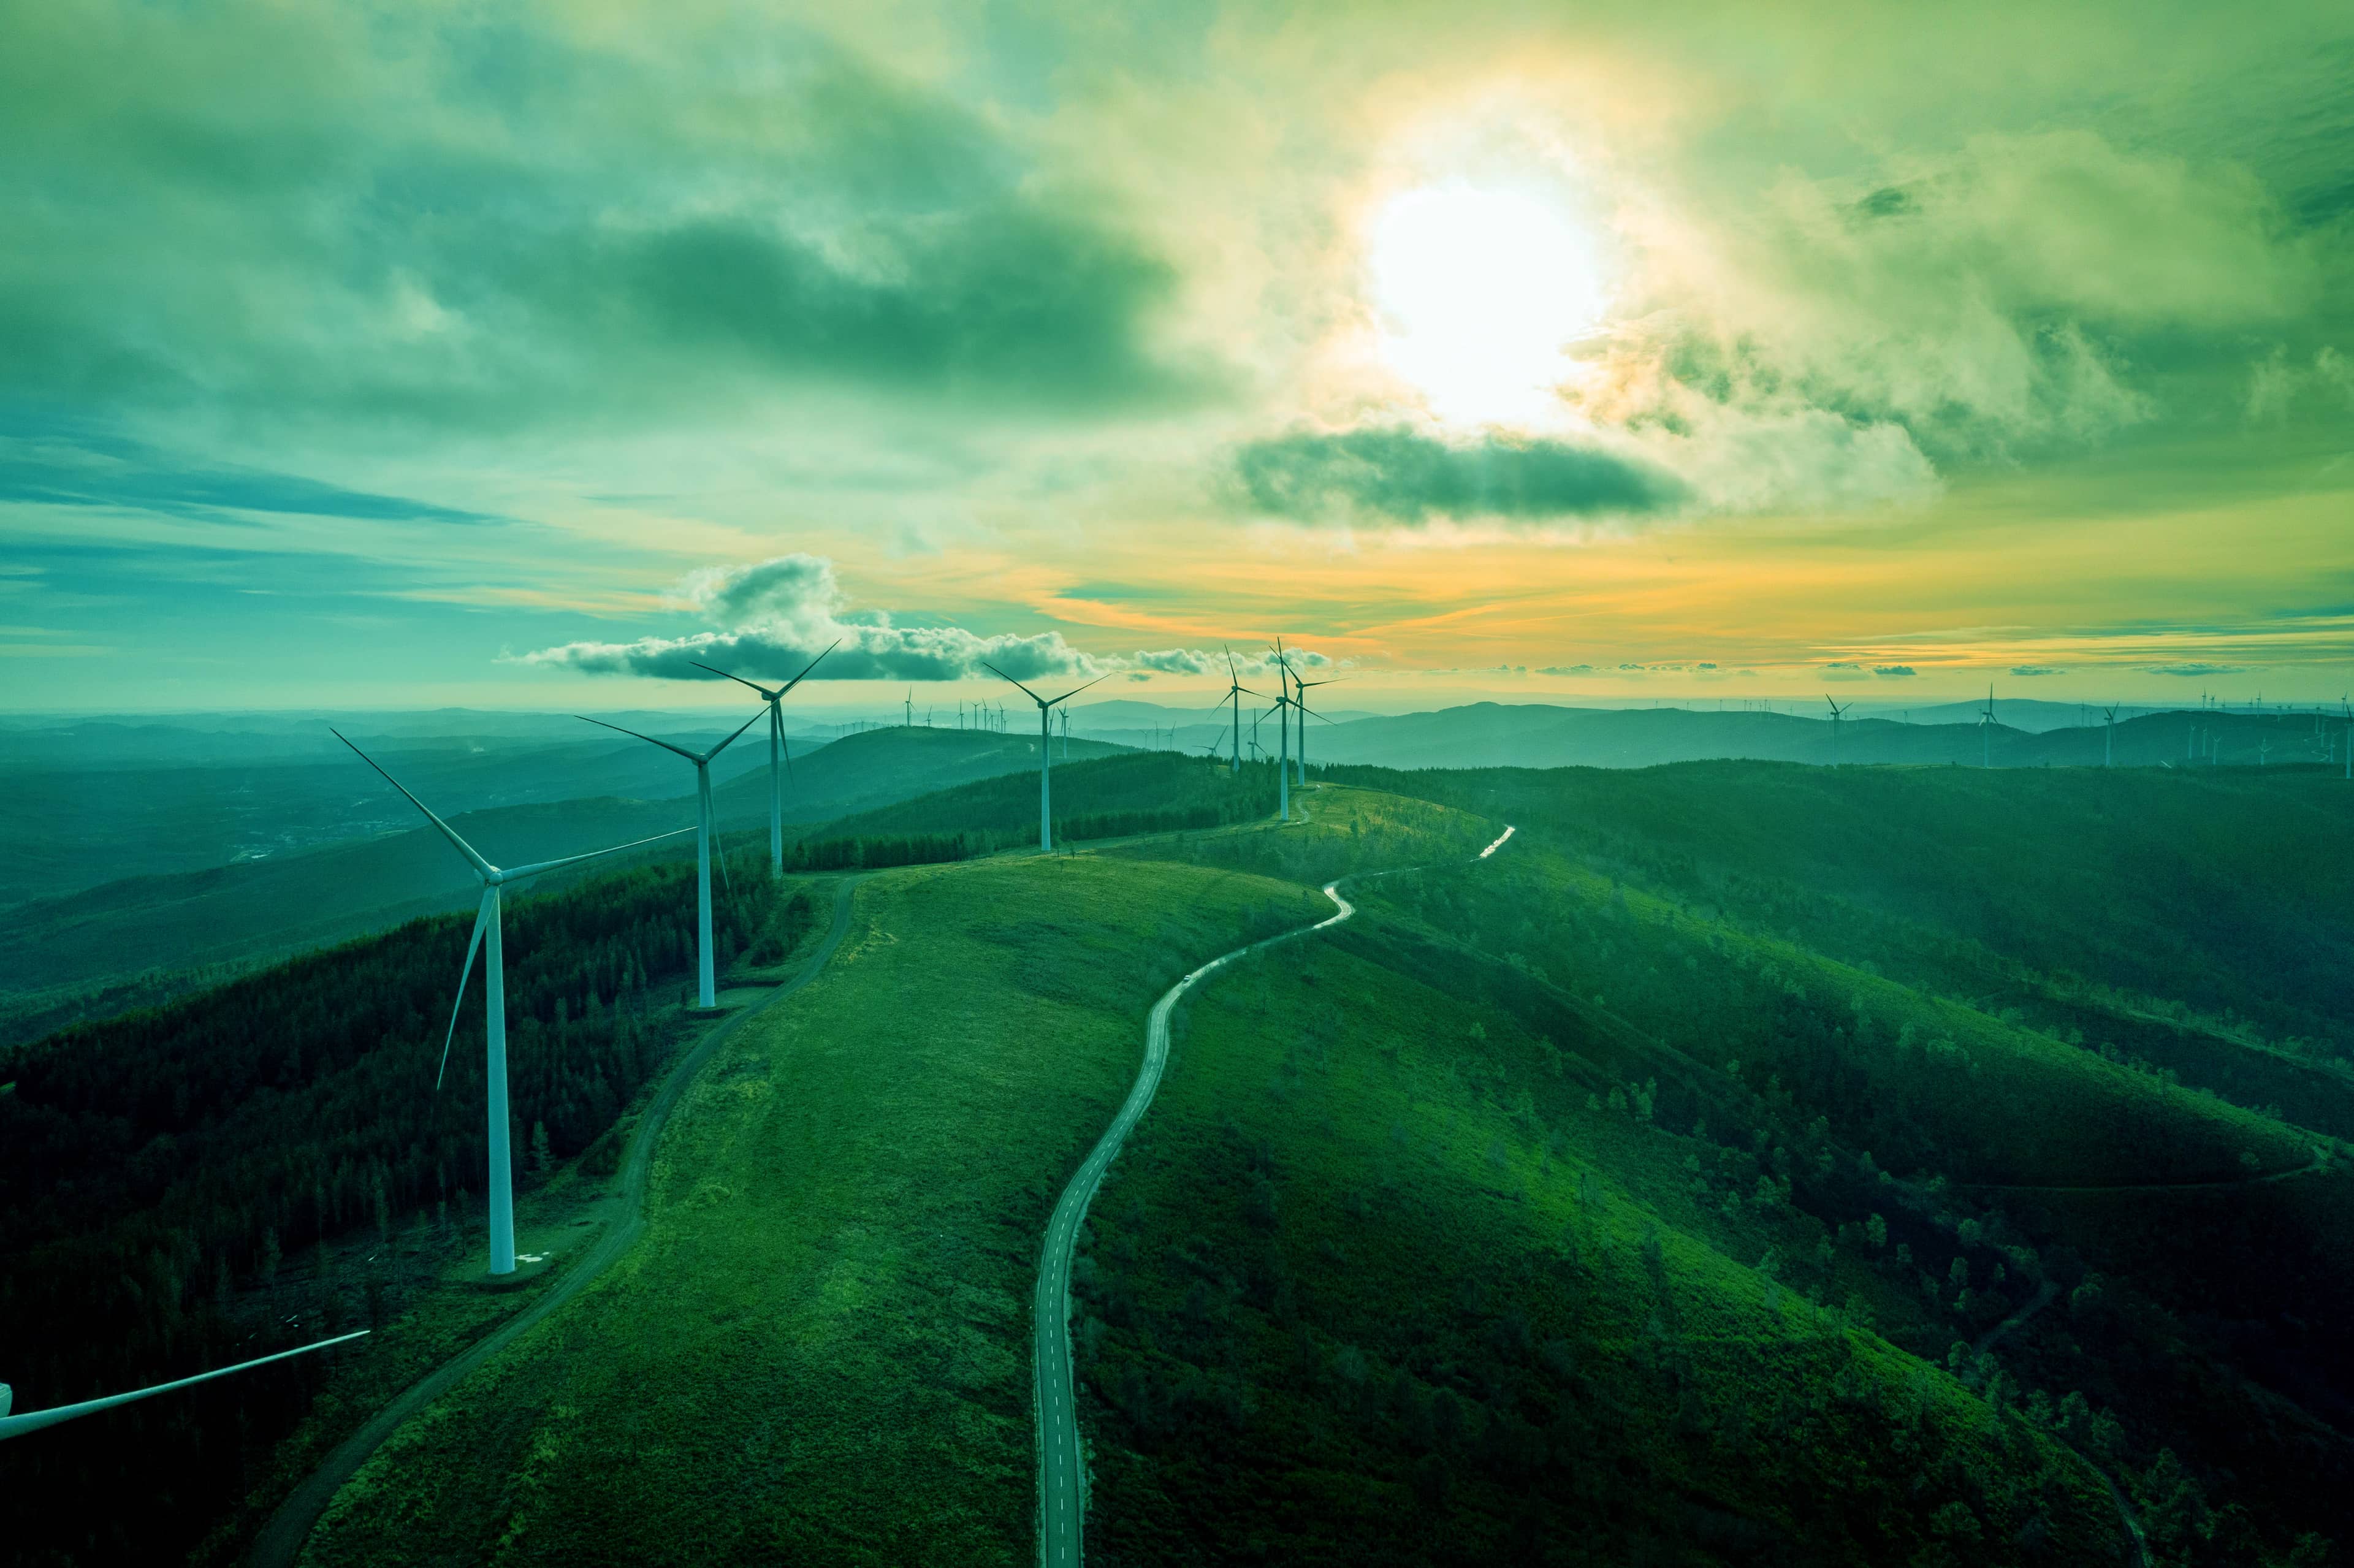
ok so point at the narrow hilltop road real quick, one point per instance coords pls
(281, 1541)
(1062, 1459)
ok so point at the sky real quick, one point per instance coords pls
(532, 356)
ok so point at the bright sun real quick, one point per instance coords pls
(1478, 290)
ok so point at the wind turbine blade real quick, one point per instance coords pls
(1075, 690)
(1004, 676)
(724, 745)
(481, 865)
(739, 680)
(647, 738)
(718, 849)
(481, 921)
(813, 664)
(519, 872)
(26, 1420)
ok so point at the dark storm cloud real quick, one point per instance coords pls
(450, 221)
(1399, 473)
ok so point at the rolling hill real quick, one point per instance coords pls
(237, 913)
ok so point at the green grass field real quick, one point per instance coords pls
(818, 1350)
(1542, 1214)
(1376, 1286)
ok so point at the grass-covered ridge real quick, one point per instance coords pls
(818, 1353)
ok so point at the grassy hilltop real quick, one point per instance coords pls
(1749, 1163)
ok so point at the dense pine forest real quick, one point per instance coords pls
(160, 1170)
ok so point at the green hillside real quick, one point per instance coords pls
(1745, 1164)
(54, 952)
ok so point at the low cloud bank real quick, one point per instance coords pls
(771, 618)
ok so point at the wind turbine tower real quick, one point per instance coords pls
(780, 756)
(706, 993)
(1045, 751)
(1300, 691)
(1839, 716)
(487, 918)
(1986, 731)
(1283, 743)
(1235, 690)
(2109, 737)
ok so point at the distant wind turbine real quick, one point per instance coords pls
(1839, 716)
(1283, 720)
(494, 1002)
(2109, 737)
(1986, 730)
(707, 994)
(778, 751)
(1299, 694)
(34, 1420)
(1235, 690)
(1045, 751)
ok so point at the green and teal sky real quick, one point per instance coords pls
(516, 356)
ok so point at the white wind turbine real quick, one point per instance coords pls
(1045, 751)
(1235, 690)
(1283, 739)
(34, 1420)
(2109, 737)
(706, 994)
(1299, 694)
(778, 752)
(494, 1002)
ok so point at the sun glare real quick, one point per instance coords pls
(1479, 291)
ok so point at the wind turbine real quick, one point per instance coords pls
(706, 995)
(1283, 720)
(777, 750)
(494, 1003)
(34, 1420)
(1235, 690)
(907, 717)
(1838, 715)
(1046, 752)
(1986, 730)
(2109, 739)
(1299, 694)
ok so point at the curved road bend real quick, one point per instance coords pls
(281, 1538)
(1061, 1463)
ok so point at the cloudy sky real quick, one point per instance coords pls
(525, 356)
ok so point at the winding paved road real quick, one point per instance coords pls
(280, 1541)
(1062, 1460)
